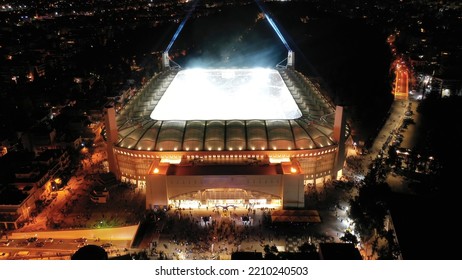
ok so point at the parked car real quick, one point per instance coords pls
(22, 243)
(81, 240)
(32, 239)
(106, 245)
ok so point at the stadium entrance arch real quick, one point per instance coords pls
(232, 197)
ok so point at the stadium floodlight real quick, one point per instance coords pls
(165, 57)
(290, 54)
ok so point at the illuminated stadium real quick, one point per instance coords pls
(241, 137)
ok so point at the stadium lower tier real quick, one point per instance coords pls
(258, 179)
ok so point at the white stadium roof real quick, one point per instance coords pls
(282, 111)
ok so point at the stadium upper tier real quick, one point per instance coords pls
(303, 117)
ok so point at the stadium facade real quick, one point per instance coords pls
(216, 142)
(220, 137)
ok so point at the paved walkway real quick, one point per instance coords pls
(185, 234)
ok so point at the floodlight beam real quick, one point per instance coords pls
(276, 29)
(273, 25)
(165, 57)
(290, 53)
(177, 32)
(180, 27)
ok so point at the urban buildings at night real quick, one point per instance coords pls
(88, 110)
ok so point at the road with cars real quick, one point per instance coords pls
(69, 215)
(401, 88)
(50, 248)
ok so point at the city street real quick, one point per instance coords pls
(71, 214)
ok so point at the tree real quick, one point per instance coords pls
(368, 209)
(270, 252)
(348, 237)
(392, 155)
(390, 250)
(358, 215)
(307, 248)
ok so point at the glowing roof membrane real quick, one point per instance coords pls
(226, 94)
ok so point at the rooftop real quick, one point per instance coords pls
(10, 195)
(185, 130)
